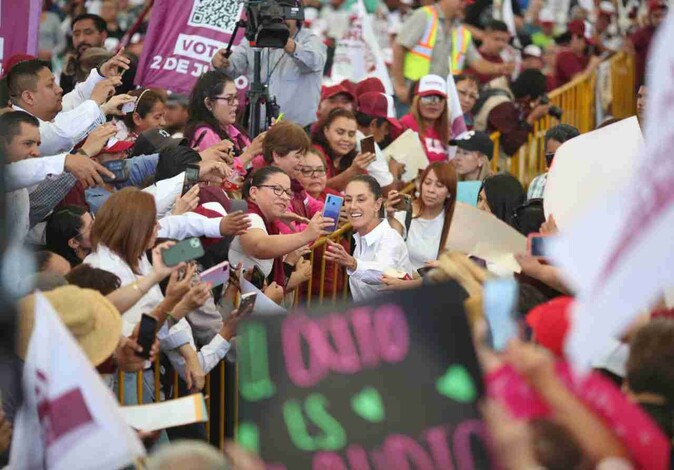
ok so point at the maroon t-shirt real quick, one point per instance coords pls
(494, 59)
(569, 64)
(641, 39)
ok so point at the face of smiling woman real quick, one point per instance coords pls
(362, 209)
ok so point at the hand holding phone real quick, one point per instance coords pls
(118, 167)
(146, 334)
(332, 208)
(185, 250)
(367, 144)
(405, 203)
(191, 177)
(536, 245)
(247, 303)
(500, 301)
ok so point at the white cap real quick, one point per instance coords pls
(532, 50)
(607, 8)
(432, 85)
(546, 16)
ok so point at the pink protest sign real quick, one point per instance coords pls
(181, 41)
(363, 387)
(19, 23)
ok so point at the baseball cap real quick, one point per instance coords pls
(607, 8)
(475, 141)
(114, 146)
(155, 141)
(328, 92)
(377, 105)
(432, 85)
(655, 5)
(371, 84)
(175, 99)
(349, 85)
(546, 17)
(576, 27)
(532, 50)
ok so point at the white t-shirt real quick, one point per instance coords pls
(423, 239)
(237, 254)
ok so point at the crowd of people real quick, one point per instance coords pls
(96, 229)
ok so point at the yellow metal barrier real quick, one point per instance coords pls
(577, 100)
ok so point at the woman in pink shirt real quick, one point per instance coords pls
(429, 116)
(213, 106)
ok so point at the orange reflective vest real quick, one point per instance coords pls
(418, 59)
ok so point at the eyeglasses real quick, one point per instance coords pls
(467, 94)
(432, 99)
(231, 99)
(278, 190)
(309, 171)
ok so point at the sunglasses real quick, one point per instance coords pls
(432, 99)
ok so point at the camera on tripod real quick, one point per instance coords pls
(266, 25)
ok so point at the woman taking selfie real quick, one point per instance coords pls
(378, 246)
(335, 138)
(213, 106)
(473, 156)
(148, 112)
(426, 227)
(268, 193)
(429, 117)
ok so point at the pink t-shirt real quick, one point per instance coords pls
(436, 151)
(210, 137)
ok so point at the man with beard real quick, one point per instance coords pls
(89, 31)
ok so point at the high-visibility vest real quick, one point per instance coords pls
(418, 59)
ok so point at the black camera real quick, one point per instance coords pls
(266, 22)
(554, 111)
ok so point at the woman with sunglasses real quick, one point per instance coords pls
(429, 117)
(268, 193)
(213, 106)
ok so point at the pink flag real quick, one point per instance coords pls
(458, 125)
(19, 23)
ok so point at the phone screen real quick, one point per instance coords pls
(367, 144)
(258, 279)
(537, 245)
(500, 300)
(146, 334)
(247, 302)
(332, 207)
(191, 177)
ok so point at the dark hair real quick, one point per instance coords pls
(63, 225)
(528, 217)
(23, 76)
(497, 25)
(561, 133)
(147, 98)
(318, 137)
(365, 120)
(504, 194)
(4, 93)
(284, 138)
(42, 259)
(373, 184)
(10, 126)
(88, 277)
(446, 174)
(531, 83)
(650, 366)
(209, 85)
(465, 76)
(259, 177)
(99, 23)
(554, 446)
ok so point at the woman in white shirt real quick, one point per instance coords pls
(431, 214)
(378, 247)
(125, 228)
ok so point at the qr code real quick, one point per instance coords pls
(219, 15)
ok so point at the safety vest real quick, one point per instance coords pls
(418, 59)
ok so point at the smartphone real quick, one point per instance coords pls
(128, 107)
(405, 203)
(423, 270)
(258, 278)
(191, 177)
(185, 250)
(367, 144)
(118, 167)
(146, 334)
(536, 245)
(499, 303)
(217, 275)
(332, 207)
(247, 303)
(238, 205)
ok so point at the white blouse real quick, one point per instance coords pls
(423, 239)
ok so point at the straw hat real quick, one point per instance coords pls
(91, 318)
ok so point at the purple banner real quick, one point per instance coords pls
(19, 24)
(181, 41)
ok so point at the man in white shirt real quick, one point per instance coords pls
(65, 120)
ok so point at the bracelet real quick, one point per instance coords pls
(170, 317)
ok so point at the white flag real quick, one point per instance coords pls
(69, 419)
(456, 120)
(620, 254)
(357, 53)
